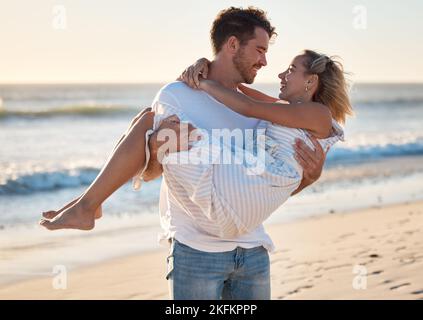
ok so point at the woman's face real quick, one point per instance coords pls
(294, 81)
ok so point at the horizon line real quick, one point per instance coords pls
(164, 82)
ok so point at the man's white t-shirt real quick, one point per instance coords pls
(207, 113)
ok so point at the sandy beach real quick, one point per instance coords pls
(376, 253)
(80, 76)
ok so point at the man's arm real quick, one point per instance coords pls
(311, 161)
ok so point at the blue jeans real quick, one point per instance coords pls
(240, 274)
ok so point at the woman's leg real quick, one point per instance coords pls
(52, 213)
(124, 163)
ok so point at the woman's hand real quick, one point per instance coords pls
(191, 75)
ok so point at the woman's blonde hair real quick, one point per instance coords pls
(332, 90)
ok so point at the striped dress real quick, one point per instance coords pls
(235, 198)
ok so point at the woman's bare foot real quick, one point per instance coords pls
(76, 216)
(52, 213)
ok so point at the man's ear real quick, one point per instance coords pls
(232, 45)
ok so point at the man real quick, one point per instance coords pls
(202, 266)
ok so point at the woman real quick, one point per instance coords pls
(316, 99)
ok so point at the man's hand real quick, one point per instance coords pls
(311, 161)
(157, 148)
(172, 136)
(154, 168)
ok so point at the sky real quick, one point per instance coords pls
(113, 41)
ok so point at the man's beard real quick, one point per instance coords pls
(243, 67)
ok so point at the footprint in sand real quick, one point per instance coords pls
(276, 260)
(360, 253)
(300, 289)
(400, 286)
(387, 281)
(337, 266)
(293, 280)
(376, 272)
(346, 235)
(400, 248)
(403, 221)
(407, 260)
(411, 232)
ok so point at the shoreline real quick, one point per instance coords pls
(386, 241)
(27, 251)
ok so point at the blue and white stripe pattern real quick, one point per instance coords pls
(226, 200)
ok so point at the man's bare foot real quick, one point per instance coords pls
(52, 213)
(77, 216)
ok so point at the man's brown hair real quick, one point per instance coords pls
(240, 23)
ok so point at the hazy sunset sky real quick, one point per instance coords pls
(153, 41)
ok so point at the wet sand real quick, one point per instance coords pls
(376, 253)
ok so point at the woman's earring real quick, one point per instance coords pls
(306, 85)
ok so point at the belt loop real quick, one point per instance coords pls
(172, 244)
(238, 254)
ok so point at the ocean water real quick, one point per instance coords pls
(55, 138)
